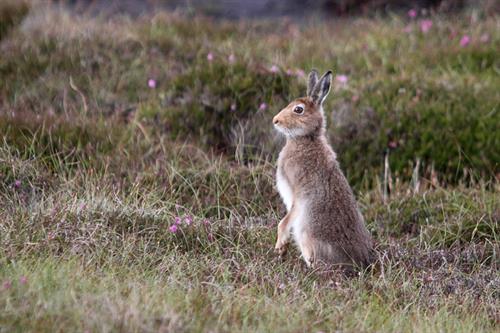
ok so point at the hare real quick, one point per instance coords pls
(322, 213)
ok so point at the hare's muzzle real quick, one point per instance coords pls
(276, 121)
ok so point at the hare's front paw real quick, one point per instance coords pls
(281, 247)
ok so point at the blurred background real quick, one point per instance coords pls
(414, 79)
(240, 9)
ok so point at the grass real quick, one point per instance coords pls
(95, 167)
(98, 255)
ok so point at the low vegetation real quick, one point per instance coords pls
(136, 173)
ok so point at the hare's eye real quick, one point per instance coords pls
(298, 109)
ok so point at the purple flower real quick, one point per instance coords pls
(6, 285)
(464, 41)
(82, 206)
(151, 83)
(425, 26)
(23, 280)
(485, 38)
(233, 107)
(262, 106)
(188, 220)
(412, 13)
(17, 183)
(206, 222)
(210, 57)
(408, 29)
(289, 72)
(342, 79)
(274, 69)
(231, 59)
(300, 73)
(177, 220)
(173, 228)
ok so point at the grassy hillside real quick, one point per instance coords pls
(137, 166)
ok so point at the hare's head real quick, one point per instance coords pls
(304, 116)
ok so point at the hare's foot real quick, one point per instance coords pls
(281, 247)
(307, 249)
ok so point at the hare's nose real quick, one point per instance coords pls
(276, 121)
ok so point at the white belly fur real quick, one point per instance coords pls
(284, 189)
(300, 217)
(299, 221)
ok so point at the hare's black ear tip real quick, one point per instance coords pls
(329, 73)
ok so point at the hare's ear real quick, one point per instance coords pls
(311, 81)
(322, 88)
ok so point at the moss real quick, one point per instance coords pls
(452, 130)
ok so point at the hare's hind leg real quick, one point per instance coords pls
(306, 247)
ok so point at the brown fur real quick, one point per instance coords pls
(331, 227)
